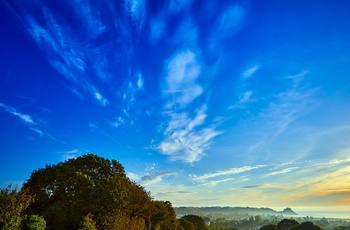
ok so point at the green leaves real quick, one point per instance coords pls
(88, 223)
(71, 192)
(13, 203)
(33, 222)
(85, 193)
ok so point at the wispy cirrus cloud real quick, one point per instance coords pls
(64, 51)
(184, 140)
(71, 45)
(227, 172)
(216, 182)
(26, 119)
(245, 97)
(279, 111)
(133, 86)
(154, 178)
(74, 153)
(283, 171)
(103, 101)
(181, 81)
(131, 103)
(249, 72)
(231, 18)
(186, 137)
(137, 10)
(93, 19)
(140, 81)
(244, 94)
(228, 23)
(120, 121)
(289, 105)
(325, 181)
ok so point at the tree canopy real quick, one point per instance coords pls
(287, 224)
(197, 221)
(93, 191)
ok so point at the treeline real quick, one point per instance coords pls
(290, 224)
(219, 222)
(87, 193)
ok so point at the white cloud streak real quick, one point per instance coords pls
(227, 172)
(216, 182)
(140, 81)
(283, 171)
(26, 119)
(74, 153)
(249, 72)
(101, 99)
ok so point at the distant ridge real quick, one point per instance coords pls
(218, 209)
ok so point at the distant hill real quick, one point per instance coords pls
(227, 210)
(288, 212)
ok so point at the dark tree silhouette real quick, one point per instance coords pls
(307, 226)
(197, 221)
(287, 224)
(269, 227)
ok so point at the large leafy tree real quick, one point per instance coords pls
(164, 217)
(185, 225)
(68, 192)
(197, 221)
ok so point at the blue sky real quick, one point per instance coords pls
(240, 103)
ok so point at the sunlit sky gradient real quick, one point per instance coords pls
(240, 103)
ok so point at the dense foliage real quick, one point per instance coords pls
(13, 203)
(33, 222)
(88, 192)
(197, 221)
